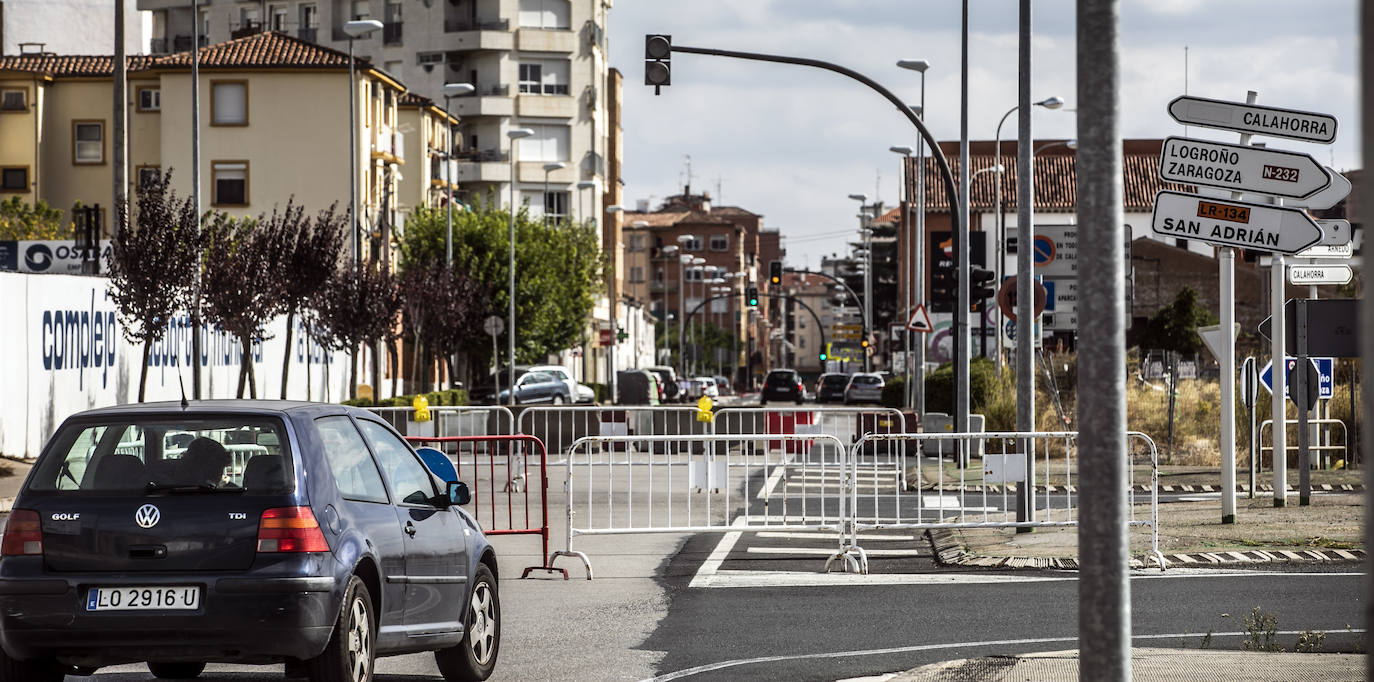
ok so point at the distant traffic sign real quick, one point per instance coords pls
(1252, 118)
(1325, 377)
(1241, 168)
(1328, 251)
(920, 320)
(1233, 223)
(1332, 326)
(1044, 250)
(1335, 232)
(1006, 298)
(1312, 275)
(1332, 195)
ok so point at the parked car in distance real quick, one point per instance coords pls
(578, 392)
(667, 378)
(249, 532)
(636, 387)
(723, 386)
(530, 388)
(864, 387)
(782, 385)
(830, 387)
(703, 386)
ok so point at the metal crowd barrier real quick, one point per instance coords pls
(947, 496)
(560, 427)
(706, 483)
(1319, 445)
(447, 421)
(491, 466)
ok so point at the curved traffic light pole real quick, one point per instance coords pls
(837, 280)
(819, 329)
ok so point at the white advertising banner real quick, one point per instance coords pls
(68, 353)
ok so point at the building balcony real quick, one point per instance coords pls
(389, 144)
(546, 106)
(469, 35)
(533, 171)
(546, 40)
(183, 43)
(486, 101)
(245, 29)
(486, 165)
(391, 33)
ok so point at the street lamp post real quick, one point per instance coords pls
(612, 300)
(549, 168)
(451, 90)
(907, 271)
(700, 270)
(867, 231)
(585, 184)
(669, 253)
(1050, 103)
(514, 134)
(354, 30)
(683, 261)
(918, 388)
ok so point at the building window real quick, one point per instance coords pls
(14, 179)
(658, 275)
(636, 274)
(147, 175)
(545, 14)
(720, 242)
(150, 99)
(556, 206)
(549, 143)
(693, 244)
(636, 242)
(545, 77)
(230, 181)
(279, 14)
(14, 99)
(362, 9)
(229, 103)
(88, 142)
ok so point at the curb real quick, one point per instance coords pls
(1265, 488)
(949, 551)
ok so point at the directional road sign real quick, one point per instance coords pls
(1252, 118)
(1335, 232)
(1328, 251)
(1234, 223)
(1332, 326)
(1312, 275)
(1241, 168)
(1325, 374)
(1332, 195)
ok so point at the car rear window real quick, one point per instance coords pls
(835, 380)
(158, 455)
(868, 381)
(781, 378)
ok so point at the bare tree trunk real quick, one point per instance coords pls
(243, 367)
(286, 357)
(252, 371)
(416, 370)
(143, 372)
(448, 364)
(308, 358)
(353, 372)
(394, 355)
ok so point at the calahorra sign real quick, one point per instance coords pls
(1252, 118)
(1241, 168)
(1233, 223)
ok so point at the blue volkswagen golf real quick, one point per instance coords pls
(253, 532)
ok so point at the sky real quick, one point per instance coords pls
(791, 143)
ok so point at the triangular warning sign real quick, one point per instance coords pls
(920, 320)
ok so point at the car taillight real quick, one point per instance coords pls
(23, 534)
(290, 529)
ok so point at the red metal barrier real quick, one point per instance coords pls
(502, 506)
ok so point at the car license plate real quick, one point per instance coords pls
(145, 598)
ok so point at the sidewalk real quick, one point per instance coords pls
(1149, 665)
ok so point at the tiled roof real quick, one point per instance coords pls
(263, 50)
(411, 99)
(269, 50)
(1056, 182)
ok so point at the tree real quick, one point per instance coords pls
(153, 265)
(559, 271)
(19, 221)
(442, 308)
(1174, 327)
(312, 250)
(356, 307)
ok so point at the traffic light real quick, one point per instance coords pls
(658, 50)
(863, 342)
(751, 295)
(980, 285)
(775, 272)
(944, 289)
(824, 356)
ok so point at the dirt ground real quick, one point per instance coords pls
(1331, 522)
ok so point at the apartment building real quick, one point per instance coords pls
(535, 64)
(274, 127)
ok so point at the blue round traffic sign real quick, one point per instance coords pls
(1043, 250)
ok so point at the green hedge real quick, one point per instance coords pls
(940, 386)
(455, 397)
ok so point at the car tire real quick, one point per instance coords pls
(475, 657)
(36, 670)
(350, 654)
(176, 671)
(557, 400)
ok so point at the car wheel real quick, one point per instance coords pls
(176, 671)
(37, 670)
(351, 650)
(558, 400)
(475, 657)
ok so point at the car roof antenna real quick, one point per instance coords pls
(182, 384)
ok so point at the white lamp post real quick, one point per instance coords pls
(451, 90)
(615, 331)
(354, 30)
(585, 184)
(549, 168)
(683, 260)
(513, 134)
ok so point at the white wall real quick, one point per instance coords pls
(73, 26)
(54, 368)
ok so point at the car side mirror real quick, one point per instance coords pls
(458, 493)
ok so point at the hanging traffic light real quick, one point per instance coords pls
(658, 51)
(980, 285)
(752, 296)
(775, 272)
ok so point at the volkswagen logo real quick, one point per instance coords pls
(147, 516)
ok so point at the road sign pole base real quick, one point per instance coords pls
(1280, 503)
(1304, 501)
(1228, 519)
(1023, 529)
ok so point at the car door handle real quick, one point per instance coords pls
(410, 529)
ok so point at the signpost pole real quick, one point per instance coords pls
(1226, 263)
(1300, 390)
(1251, 390)
(1278, 380)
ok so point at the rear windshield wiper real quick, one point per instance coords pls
(177, 488)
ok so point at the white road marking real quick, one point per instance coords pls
(822, 551)
(827, 536)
